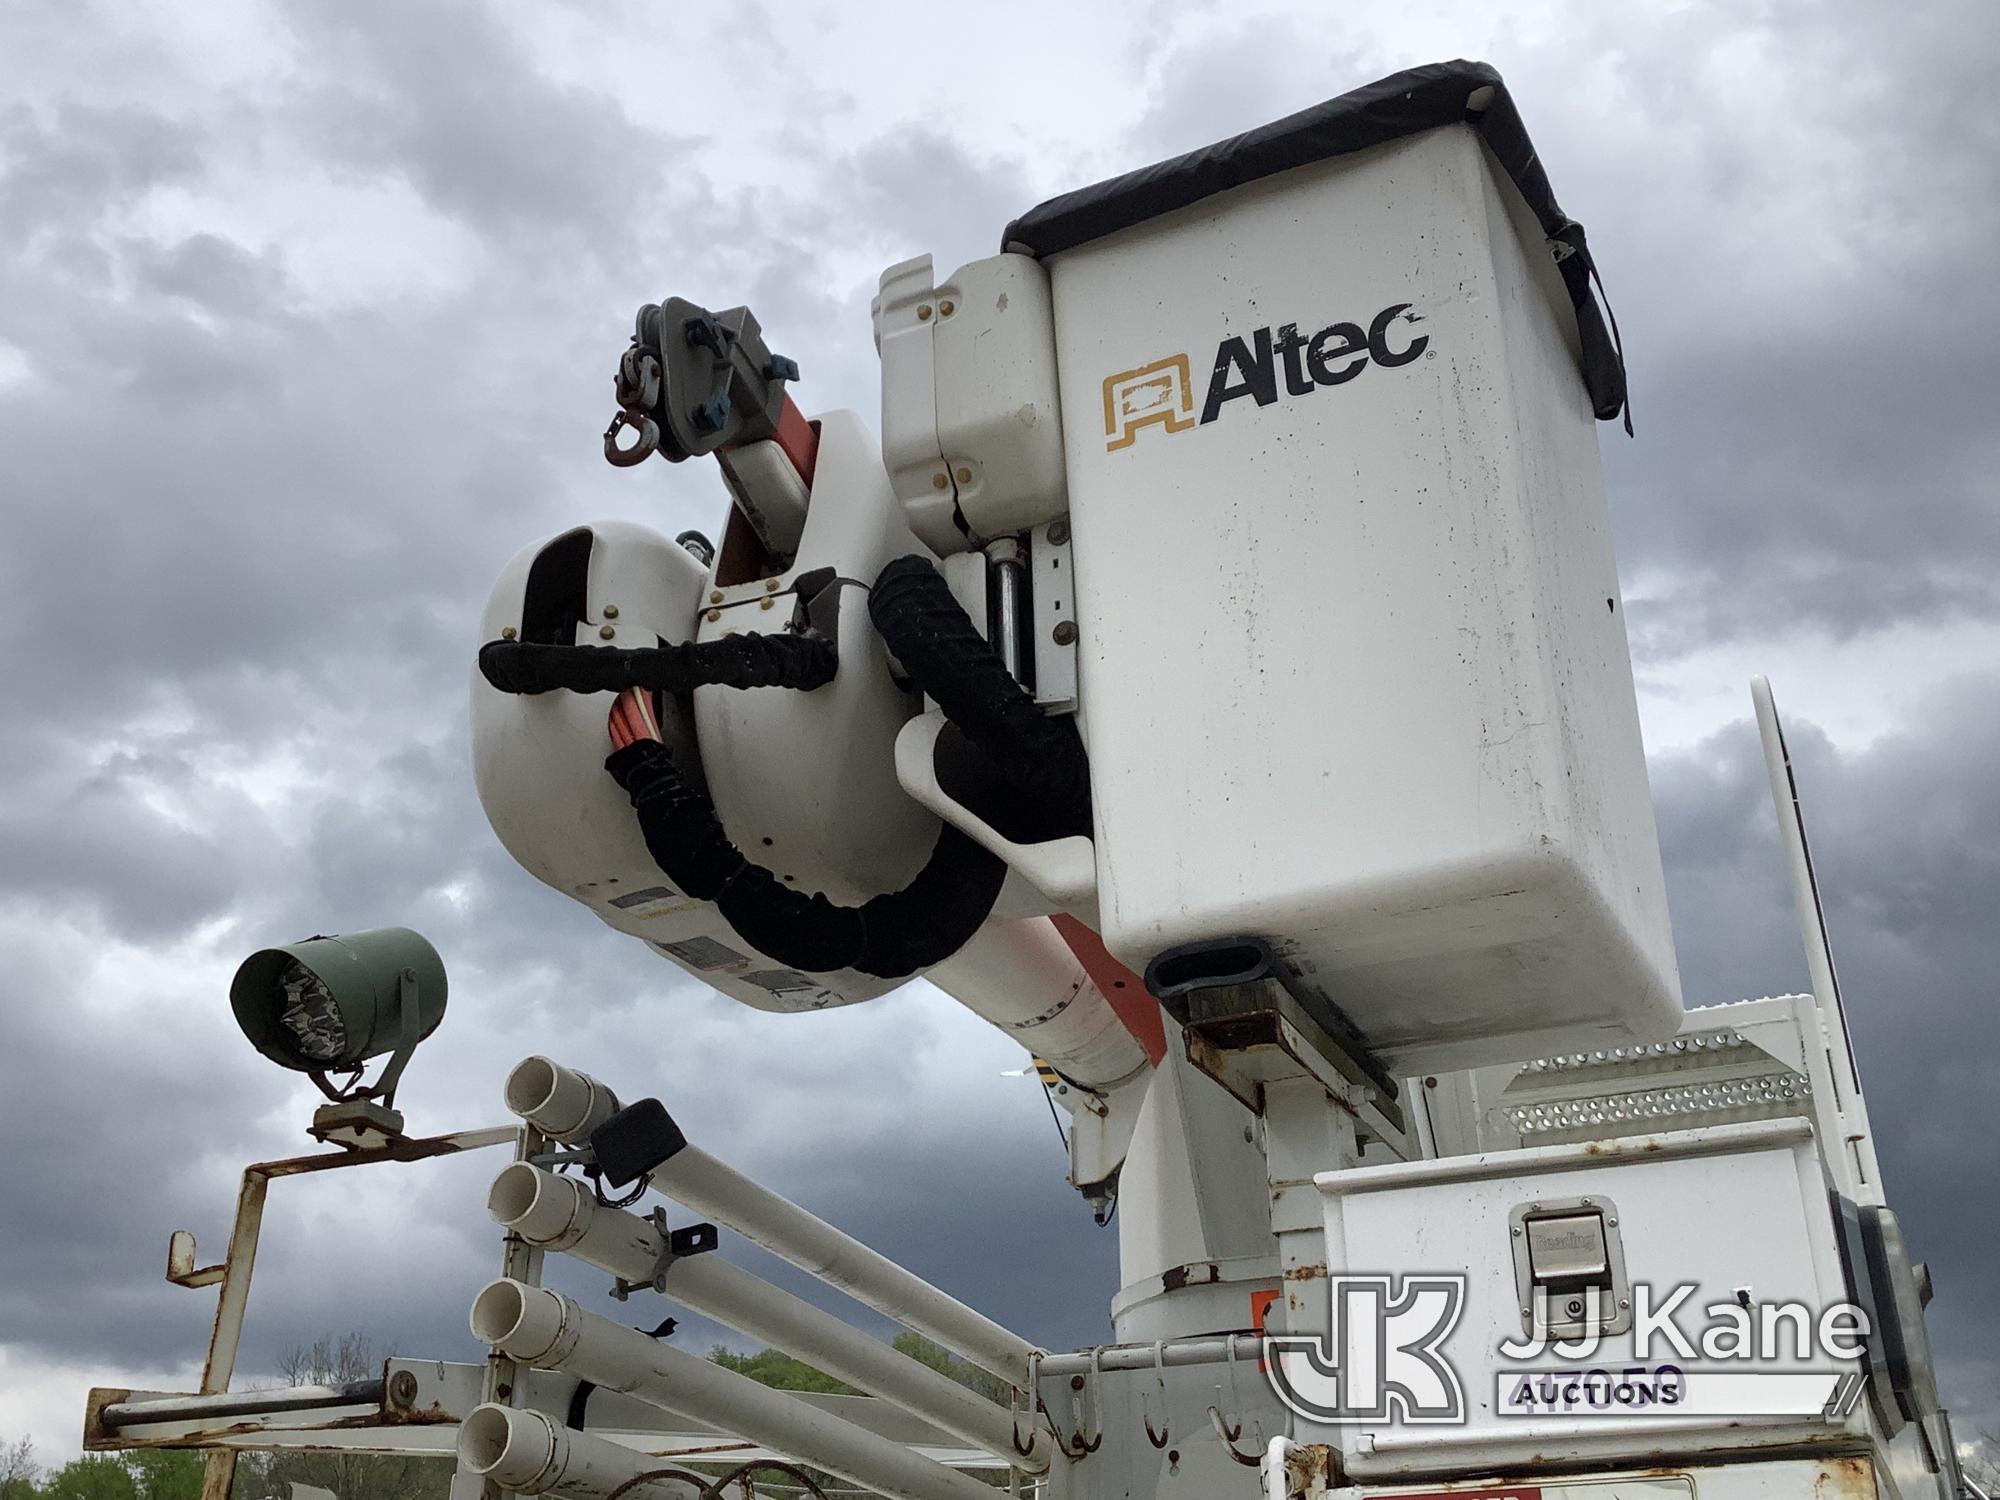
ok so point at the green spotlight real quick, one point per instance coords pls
(327, 1005)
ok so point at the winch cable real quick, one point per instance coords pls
(803, 662)
(897, 933)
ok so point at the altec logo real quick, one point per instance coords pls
(1161, 394)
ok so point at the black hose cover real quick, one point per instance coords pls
(739, 661)
(889, 936)
(926, 629)
(681, 830)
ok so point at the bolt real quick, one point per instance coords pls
(606, 632)
(504, 1390)
(610, 611)
(1064, 634)
(403, 1389)
(508, 633)
(1584, 1201)
(1624, 1301)
(770, 585)
(1612, 1222)
(1517, 1234)
(766, 602)
(947, 307)
(714, 615)
(715, 596)
(712, 413)
(965, 476)
(938, 481)
(1430, 1083)
(1076, 1382)
(1059, 532)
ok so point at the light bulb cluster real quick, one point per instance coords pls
(1698, 1044)
(1620, 1111)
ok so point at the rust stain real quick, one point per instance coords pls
(433, 1415)
(1845, 1479)
(1646, 1147)
(1304, 1273)
(407, 1150)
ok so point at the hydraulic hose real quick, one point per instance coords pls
(738, 661)
(899, 932)
(926, 629)
(888, 936)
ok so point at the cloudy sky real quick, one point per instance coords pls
(307, 318)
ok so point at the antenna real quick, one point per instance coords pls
(1812, 923)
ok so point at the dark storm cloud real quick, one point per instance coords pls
(1795, 211)
(452, 99)
(251, 525)
(1904, 837)
(65, 160)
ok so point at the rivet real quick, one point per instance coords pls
(610, 611)
(947, 307)
(1058, 532)
(1064, 634)
(1076, 1382)
(1517, 1234)
(965, 476)
(766, 602)
(938, 481)
(770, 585)
(715, 596)
(923, 312)
(606, 632)
(508, 633)
(714, 615)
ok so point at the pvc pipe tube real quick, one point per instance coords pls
(551, 1332)
(559, 1101)
(715, 1190)
(559, 1213)
(1173, 1353)
(526, 1452)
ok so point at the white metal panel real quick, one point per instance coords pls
(805, 783)
(1850, 1478)
(1733, 1206)
(538, 761)
(905, 312)
(1353, 667)
(998, 419)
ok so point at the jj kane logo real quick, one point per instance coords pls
(1161, 394)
